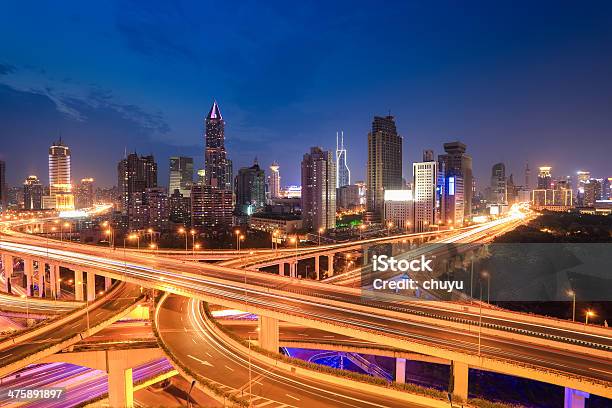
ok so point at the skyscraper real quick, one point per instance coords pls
(458, 163)
(274, 181)
(544, 178)
(499, 189)
(3, 189)
(60, 187)
(343, 174)
(135, 174)
(527, 177)
(84, 193)
(211, 207)
(318, 190)
(425, 183)
(32, 193)
(384, 170)
(250, 190)
(217, 166)
(181, 175)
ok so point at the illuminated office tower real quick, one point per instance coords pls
(527, 177)
(211, 207)
(33, 192)
(544, 178)
(181, 175)
(582, 177)
(250, 190)
(274, 181)
(60, 188)
(318, 190)
(3, 188)
(499, 188)
(218, 167)
(384, 169)
(343, 174)
(424, 184)
(84, 193)
(399, 206)
(458, 163)
(593, 189)
(134, 175)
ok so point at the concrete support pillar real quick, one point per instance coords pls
(41, 278)
(268, 333)
(366, 256)
(78, 285)
(293, 269)
(281, 269)
(317, 268)
(574, 398)
(459, 380)
(53, 280)
(7, 265)
(400, 370)
(330, 265)
(28, 266)
(91, 286)
(107, 283)
(120, 382)
(58, 281)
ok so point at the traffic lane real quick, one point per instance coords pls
(200, 346)
(121, 331)
(119, 300)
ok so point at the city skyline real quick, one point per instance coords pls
(548, 106)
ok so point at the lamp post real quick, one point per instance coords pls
(587, 314)
(487, 275)
(68, 225)
(192, 232)
(240, 239)
(480, 320)
(389, 225)
(573, 295)
(361, 228)
(320, 232)
(274, 233)
(153, 247)
(183, 231)
(237, 232)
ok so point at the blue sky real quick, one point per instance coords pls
(516, 81)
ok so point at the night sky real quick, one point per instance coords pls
(516, 81)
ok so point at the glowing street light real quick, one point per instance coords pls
(487, 275)
(587, 314)
(183, 231)
(320, 232)
(573, 295)
(237, 232)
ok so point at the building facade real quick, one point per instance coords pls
(348, 198)
(3, 188)
(458, 163)
(211, 207)
(384, 169)
(135, 174)
(181, 175)
(60, 186)
(343, 173)
(218, 169)
(425, 194)
(274, 180)
(399, 207)
(33, 192)
(499, 188)
(318, 190)
(250, 190)
(84, 193)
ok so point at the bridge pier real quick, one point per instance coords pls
(268, 333)
(78, 285)
(108, 282)
(400, 370)
(574, 398)
(7, 265)
(41, 277)
(28, 266)
(459, 380)
(317, 268)
(120, 381)
(91, 286)
(293, 269)
(330, 265)
(53, 280)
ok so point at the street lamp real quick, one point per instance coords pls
(487, 275)
(320, 232)
(587, 314)
(27, 307)
(153, 247)
(274, 234)
(240, 239)
(68, 225)
(361, 228)
(573, 295)
(237, 232)
(192, 232)
(183, 231)
(389, 225)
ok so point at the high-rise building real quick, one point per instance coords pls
(399, 206)
(425, 193)
(499, 188)
(274, 181)
(135, 174)
(211, 207)
(343, 174)
(60, 187)
(33, 192)
(593, 189)
(180, 208)
(250, 190)
(347, 197)
(544, 178)
(3, 188)
(318, 190)
(527, 177)
(181, 175)
(452, 200)
(218, 168)
(158, 208)
(458, 163)
(582, 177)
(84, 193)
(384, 169)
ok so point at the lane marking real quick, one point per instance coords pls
(200, 361)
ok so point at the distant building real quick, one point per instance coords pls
(425, 185)
(384, 169)
(452, 200)
(343, 174)
(84, 194)
(347, 197)
(134, 175)
(250, 190)
(211, 207)
(458, 163)
(181, 175)
(33, 192)
(218, 167)
(180, 208)
(60, 187)
(399, 206)
(270, 222)
(3, 188)
(274, 181)
(158, 208)
(362, 192)
(318, 190)
(544, 178)
(558, 197)
(499, 188)
(593, 189)
(291, 192)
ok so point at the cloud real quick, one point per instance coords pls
(6, 69)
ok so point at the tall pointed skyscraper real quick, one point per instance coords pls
(216, 163)
(343, 174)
